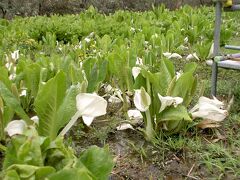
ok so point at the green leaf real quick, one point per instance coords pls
(24, 149)
(31, 172)
(97, 75)
(174, 114)
(11, 175)
(190, 67)
(184, 87)
(11, 101)
(4, 77)
(71, 174)
(98, 161)
(32, 78)
(54, 106)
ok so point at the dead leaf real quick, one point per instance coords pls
(208, 124)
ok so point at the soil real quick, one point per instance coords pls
(137, 159)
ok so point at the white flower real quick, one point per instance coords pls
(12, 76)
(23, 92)
(141, 99)
(134, 114)
(132, 29)
(35, 119)
(205, 101)
(192, 56)
(124, 126)
(210, 109)
(90, 106)
(9, 65)
(87, 39)
(169, 101)
(210, 54)
(178, 74)
(139, 61)
(15, 127)
(175, 56)
(167, 54)
(15, 55)
(186, 40)
(136, 71)
(114, 100)
(172, 55)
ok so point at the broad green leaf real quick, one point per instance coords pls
(72, 174)
(31, 172)
(47, 104)
(166, 74)
(12, 102)
(184, 87)
(190, 67)
(32, 78)
(4, 77)
(98, 161)
(58, 155)
(24, 149)
(97, 75)
(174, 114)
(11, 175)
(44, 171)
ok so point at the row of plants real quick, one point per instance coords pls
(52, 69)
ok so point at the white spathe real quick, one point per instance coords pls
(124, 126)
(206, 101)
(172, 55)
(35, 119)
(141, 100)
(15, 127)
(175, 56)
(134, 114)
(192, 57)
(178, 74)
(210, 109)
(169, 101)
(139, 61)
(87, 120)
(90, 106)
(136, 71)
(15, 55)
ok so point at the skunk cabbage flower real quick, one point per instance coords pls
(134, 114)
(206, 101)
(172, 55)
(168, 101)
(15, 127)
(136, 71)
(139, 61)
(15, 55)
(167, 54)
(141, 99)
(90, 106)
(192, 56)
(209, 109)
(178, 74)
(35, 119)
(124, 126)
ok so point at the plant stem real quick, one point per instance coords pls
(149, 126)
(70, 124)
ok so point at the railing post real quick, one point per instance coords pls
(217, 30)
